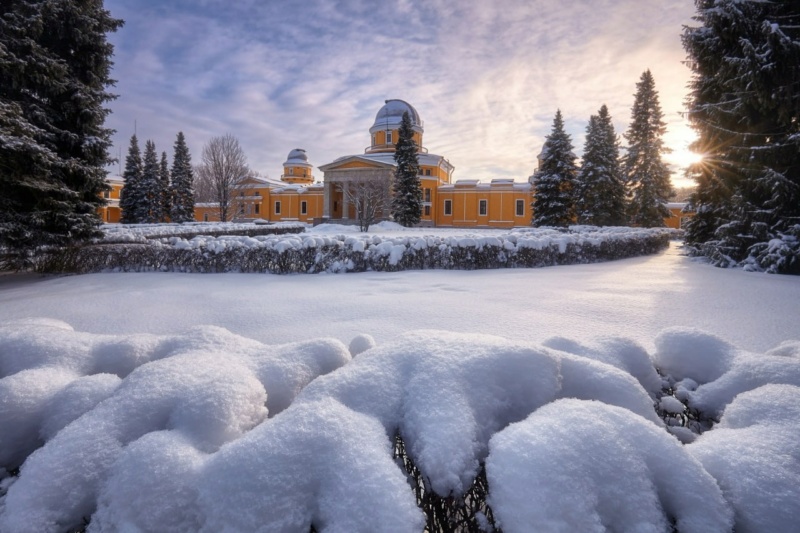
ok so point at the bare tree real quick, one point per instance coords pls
(222, 173)
(371, 198)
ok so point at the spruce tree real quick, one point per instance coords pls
(600, 198)
(646, 175)
(182, 186)
(149, 210)
(164, 189)
(407, 199)
(131, 196)
(554, 181)
(745, 106)
(54, 73)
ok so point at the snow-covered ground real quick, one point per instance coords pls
(635, 298)
(154, 418)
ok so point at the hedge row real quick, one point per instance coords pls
(341, 254)
(143, 232)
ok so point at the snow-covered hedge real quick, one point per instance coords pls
(313, 253)
(208, 431)
(122, 233)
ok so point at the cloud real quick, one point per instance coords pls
(487, 77)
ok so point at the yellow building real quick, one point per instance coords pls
(111, 212)
(296, 197)
(502, 203)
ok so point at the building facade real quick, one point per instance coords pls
(298, 196)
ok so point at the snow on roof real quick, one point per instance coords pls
(391, 114)
(677, 205)
(387, 158)
(115, 179)
(298, 158)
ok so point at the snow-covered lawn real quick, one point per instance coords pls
(200, 402)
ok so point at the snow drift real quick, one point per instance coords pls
(209, 431)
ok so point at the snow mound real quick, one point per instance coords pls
(616, 351)
(721, 370)
(754, 455)
(586, 466)
(211, 386)
(361, 343)
(446, 394)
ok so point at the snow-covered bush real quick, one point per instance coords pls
(575, 465)
(208, 431)
(313, 253)
(755, 456)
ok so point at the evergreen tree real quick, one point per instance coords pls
(407, 199)
(646, 175)
(745, 106)
(54, 71)
(131, 196)
(182, 186)
(164, 189)
(554, 181)
(600, 190)
(149, 210)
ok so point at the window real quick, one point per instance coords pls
(303, 207)
(448, 207)
(520, 208)
(427, 210)
(106, 194)
(335, 206)
(482, 208)
(427, 195)
(291, 171)
(258, 208)
(388, 137)
(427, 172)
(277, 208)
(256, 193)
(205, 217)
(374, 140)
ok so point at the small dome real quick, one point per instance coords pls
(297, 157)
(391, 114)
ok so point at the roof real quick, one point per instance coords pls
(391, 114)
(298, 158)
(387, 159)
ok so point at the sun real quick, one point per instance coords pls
(685, 158)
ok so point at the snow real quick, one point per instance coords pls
(282, 414)
(720, 370)
(575, 465)
(754, 455)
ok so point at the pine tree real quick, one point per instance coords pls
(149, 210)
(745, 106)
(132, 192)
(646, 175)
(554, 181)
(54, 71)
(407, 199)
(182, 186)
(600, 189)
(164, 189)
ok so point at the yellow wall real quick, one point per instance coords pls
(111, 213)
(678, 218)
(500, 202)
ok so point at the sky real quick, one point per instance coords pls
(485, 77)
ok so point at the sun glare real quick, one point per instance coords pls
(686, 158)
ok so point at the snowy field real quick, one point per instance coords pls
(149, 416)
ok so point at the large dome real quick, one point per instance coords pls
(297, 157)
(391, 114)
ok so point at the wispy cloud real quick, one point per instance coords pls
(487, 77)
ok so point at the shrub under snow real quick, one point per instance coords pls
(208, 431)
(314, 252)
